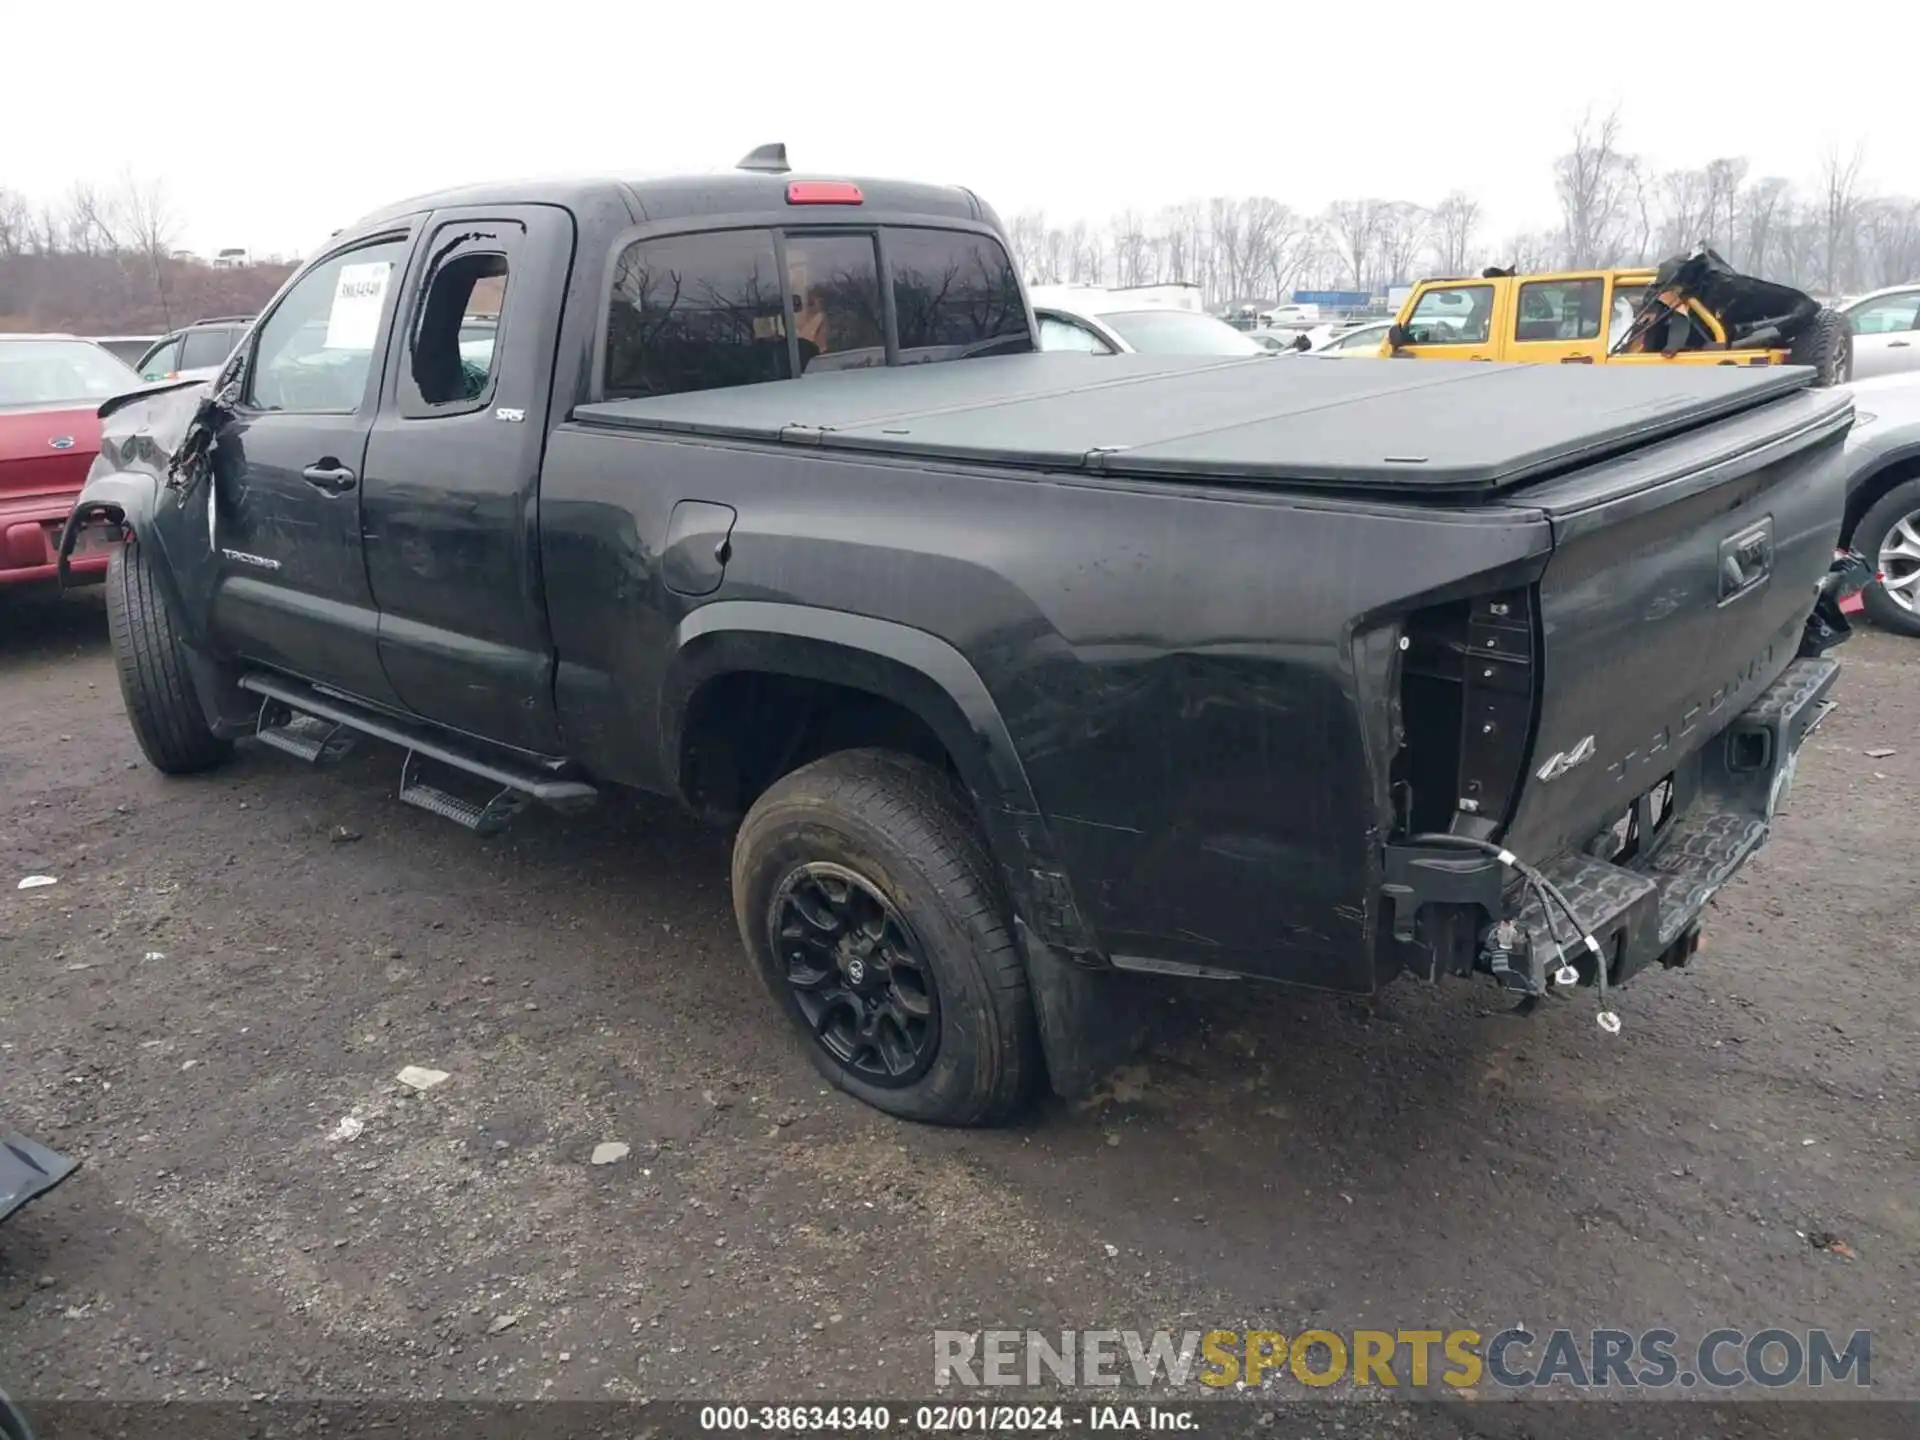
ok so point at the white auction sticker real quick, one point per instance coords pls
(354, 321)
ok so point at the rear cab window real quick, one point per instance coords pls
(956, 295)
(708, 309)
(833, 294)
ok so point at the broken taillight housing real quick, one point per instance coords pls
(1466, 710)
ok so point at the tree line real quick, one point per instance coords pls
(1616, 208)
(102, 260)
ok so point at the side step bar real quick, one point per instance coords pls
(314, 732)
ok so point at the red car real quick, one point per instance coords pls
(50, 388)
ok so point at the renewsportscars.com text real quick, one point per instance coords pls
(1513, 1359)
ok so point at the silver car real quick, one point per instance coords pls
(1886, 331)
(195, 352)
(1882, 456)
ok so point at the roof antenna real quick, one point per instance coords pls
(769, 159)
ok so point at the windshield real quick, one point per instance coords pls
(1180, 332)
(58, 372)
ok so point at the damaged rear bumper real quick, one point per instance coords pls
(30, 543)
(1639, 887)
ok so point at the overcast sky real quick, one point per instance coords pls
(269, 131)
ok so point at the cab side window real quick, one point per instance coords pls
(1457, 315)
(1560, 310)
(451, 350)
(695, 312)
(316, 350)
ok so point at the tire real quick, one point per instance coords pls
(161, 704)
(1826, 345)
(897, 839)
(1893, 521)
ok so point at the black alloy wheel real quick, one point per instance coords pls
(857, 973)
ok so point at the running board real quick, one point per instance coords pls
(305, 737)
(318, 719)
(488, 817)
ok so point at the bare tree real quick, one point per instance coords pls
(1531, 251)
(1723, 185)
(89, 221)
(1352, 228)
(1766, 207)
(1455, 220)
(1840, 212)
(1683, 205)
(1592, 181)
(1132, 251)
(1888, 243)
(1401, 235)
(1027, 238)
(1054, 265)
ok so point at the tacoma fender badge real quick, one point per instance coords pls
(1565, 760)
(259, 562)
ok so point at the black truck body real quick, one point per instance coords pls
(1307, 671)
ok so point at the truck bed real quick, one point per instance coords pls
(1458, 430)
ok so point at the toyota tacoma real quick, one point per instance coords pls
(1015, 674)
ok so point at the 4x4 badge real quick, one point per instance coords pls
(1565, 760)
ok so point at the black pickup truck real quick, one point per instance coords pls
(1016, 673)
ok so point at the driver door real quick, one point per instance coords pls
(1886, 335)
(292, 590)
(1460, 320)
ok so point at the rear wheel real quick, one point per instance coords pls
(1826, 345)
(165, 713)
(1889, 536)
(867, 901)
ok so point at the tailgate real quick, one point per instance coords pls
(1681, 579)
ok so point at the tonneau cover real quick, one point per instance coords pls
(1368, 424)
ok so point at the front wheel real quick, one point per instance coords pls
(1889, 536)
(165, 713)
(866, 900)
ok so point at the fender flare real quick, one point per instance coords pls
(1860, 487)
(920, 672)
(131, 499)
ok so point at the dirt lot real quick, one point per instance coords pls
(217, 980)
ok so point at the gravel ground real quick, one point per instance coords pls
(230, 967)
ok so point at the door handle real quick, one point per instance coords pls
(330, 476)
(1899, 344)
